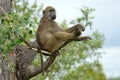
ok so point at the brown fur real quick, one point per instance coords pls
(50, 36)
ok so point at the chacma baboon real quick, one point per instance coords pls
(50, 36)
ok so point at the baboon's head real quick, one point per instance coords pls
(50, 13)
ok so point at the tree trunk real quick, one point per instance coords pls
(5, 6)
(6, 72)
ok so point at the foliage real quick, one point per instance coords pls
(86, 18)
(117, 78)
(22, 21)
(88, 71)
(76, 58)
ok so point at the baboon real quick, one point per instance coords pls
(50, 36)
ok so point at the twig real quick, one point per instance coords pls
(25, 41)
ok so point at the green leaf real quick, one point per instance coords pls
(30, 31)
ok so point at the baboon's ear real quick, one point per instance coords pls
(43, 11)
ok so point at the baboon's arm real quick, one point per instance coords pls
(64, 35)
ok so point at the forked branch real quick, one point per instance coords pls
(25, 56)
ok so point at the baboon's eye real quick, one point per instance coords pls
(52, 10)
(51, 14)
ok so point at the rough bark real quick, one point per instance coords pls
(6, 72)
(0, 66)
(5, 5)
(24, 57)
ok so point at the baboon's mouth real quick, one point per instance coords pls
(53, 17)
(83, 29)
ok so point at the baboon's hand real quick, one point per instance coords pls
(77, 33)
(80, 27)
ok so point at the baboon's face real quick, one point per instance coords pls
(50, 13)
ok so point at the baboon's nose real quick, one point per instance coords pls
(83, 28)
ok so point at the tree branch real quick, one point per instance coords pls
(36, 70)
(25, 56)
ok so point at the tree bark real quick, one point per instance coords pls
(0, 66)
(6, 72)
(5, 5)
(24, 57)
